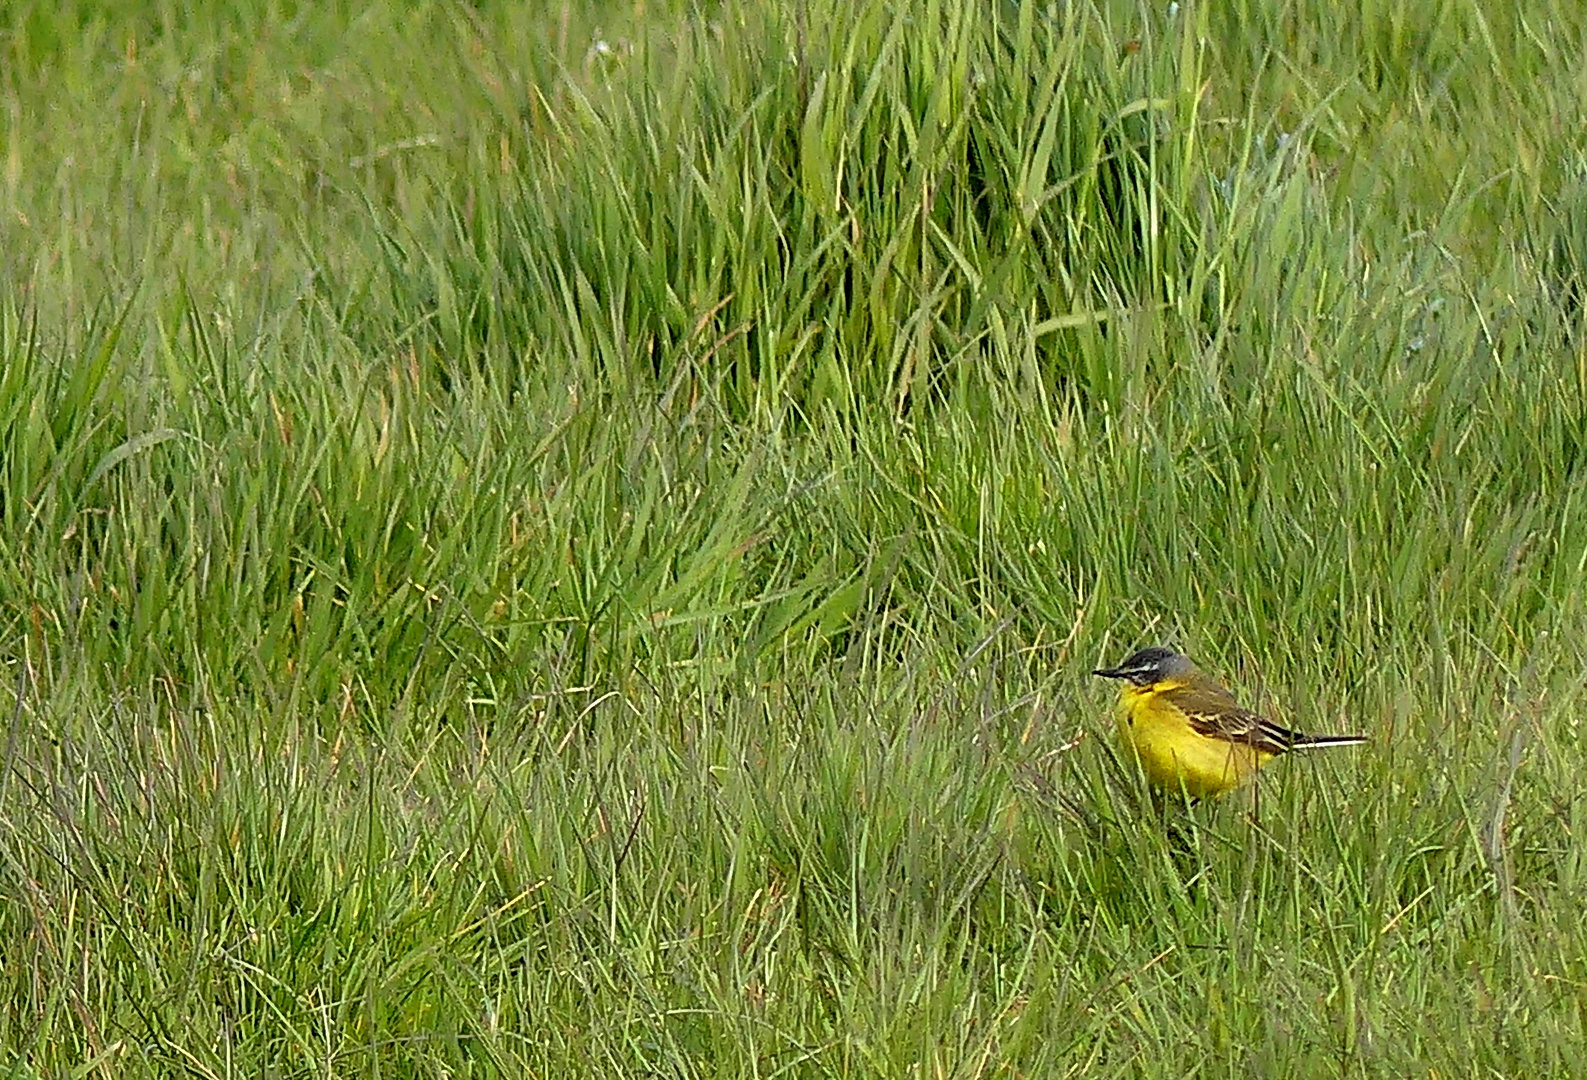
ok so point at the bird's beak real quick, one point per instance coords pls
(1110, 673)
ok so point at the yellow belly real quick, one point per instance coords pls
(1176, 757)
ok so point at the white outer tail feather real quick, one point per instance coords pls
(1309, 742)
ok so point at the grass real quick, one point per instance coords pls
(573, 545)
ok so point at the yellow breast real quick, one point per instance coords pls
(1175, 756)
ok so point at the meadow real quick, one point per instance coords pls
(569, 539)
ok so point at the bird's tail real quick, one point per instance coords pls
(1305, 742)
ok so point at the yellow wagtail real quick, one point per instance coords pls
(1188, 732)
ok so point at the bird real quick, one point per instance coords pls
(1188, 732)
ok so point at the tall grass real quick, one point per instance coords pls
(573, 545)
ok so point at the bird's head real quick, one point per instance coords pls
(1150, 665)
